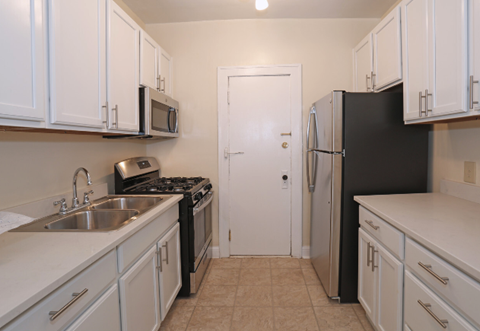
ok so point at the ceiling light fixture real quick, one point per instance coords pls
(261, 4)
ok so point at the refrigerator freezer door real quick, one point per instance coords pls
(329, 111)
(326, 216)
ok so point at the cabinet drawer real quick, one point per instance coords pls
(95, 279)
(434, 311)
(131, 249)
(460, 290)
(390, 237)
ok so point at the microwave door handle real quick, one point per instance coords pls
(176, 120)
(168, 120)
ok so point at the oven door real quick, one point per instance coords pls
(202, 224)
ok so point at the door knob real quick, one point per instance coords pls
(285, 145)
(284, 177)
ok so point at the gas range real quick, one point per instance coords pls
(141, 175)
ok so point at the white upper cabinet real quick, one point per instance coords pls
(363, 65)
(123, 70)
(149, 61)
(165, 73)
(23, 60)
(78, 62)
(474, 97)
(435, 58)
(415, 56)
(387, 51)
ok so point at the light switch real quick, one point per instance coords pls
(469, 174)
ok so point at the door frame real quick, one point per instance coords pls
(296, 216)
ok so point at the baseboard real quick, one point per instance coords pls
(214, 252)
(305, 252)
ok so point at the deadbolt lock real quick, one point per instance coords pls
(285, 145)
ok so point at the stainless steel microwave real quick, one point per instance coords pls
(158, 114)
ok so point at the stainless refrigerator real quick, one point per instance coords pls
(357, 144)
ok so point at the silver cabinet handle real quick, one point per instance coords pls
(426, 306)
(375, 227)
(368, 254)
(77, 296)
(426, 102)
(428, 268)
(420, 106)
(373, 81)
(164, 85)
(472, 81)
(159, 259)
(115, 109)
(158, 83)
(106, 114)
(366, 82)
(373, 259)
(166, 251)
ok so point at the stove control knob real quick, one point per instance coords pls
(198, 196)
(208, 186)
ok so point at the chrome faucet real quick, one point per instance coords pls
(89, 182)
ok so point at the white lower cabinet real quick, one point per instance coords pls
(102, 315)
(380, 287)
(139, 304)
(170, 274)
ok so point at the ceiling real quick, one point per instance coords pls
(168, 11)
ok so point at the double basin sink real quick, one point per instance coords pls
(105, 214)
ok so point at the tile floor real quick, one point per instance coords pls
(260, 294)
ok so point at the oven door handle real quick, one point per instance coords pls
(196, 210)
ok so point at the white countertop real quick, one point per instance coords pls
(33, 264)
(447, 225)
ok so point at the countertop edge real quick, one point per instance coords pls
(453, 260)
(140, 223)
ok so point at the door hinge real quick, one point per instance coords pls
(228, 97)
(229, 235)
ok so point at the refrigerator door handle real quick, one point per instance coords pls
(325, 152)
(311, 181)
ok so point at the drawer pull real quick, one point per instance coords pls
(426, 306)
(375, 227)
(428, 268)
(76, 296)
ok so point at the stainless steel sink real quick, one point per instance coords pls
(105, 214)
(140, 204)
(94, 220)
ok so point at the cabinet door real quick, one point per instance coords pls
(475, 54)
(170, 275)
(366, 274)
(139, 295)
(165, 72)
(123, 70)
(149, 61)
(389, 290)
(387, 51)
(447, 57)
(415, 56)
(77, 62)
(363, 65)
(22, 60)
(103, 315)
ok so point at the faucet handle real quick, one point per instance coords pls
(63, 205)
(86, 200)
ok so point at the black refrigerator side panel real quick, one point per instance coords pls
(382, 156)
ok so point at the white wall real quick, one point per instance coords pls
(452, 145)
(322, 46)
(34, 166)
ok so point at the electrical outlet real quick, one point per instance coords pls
(469, 174)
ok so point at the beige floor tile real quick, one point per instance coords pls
(362, 317)
(223, 296)
(251, 277)
(226, 263)
(319, 297)
(283, 263)
(177, 319)
(211, 319)
(310, 276)
(223, 277)
(337, 319)
(190, 301)
(254, 296)
(291, 296)
(287, 277)
(255, 263)
(295, 319)
(252, 319)
(305, 263)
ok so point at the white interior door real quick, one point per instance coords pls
(259, 198)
